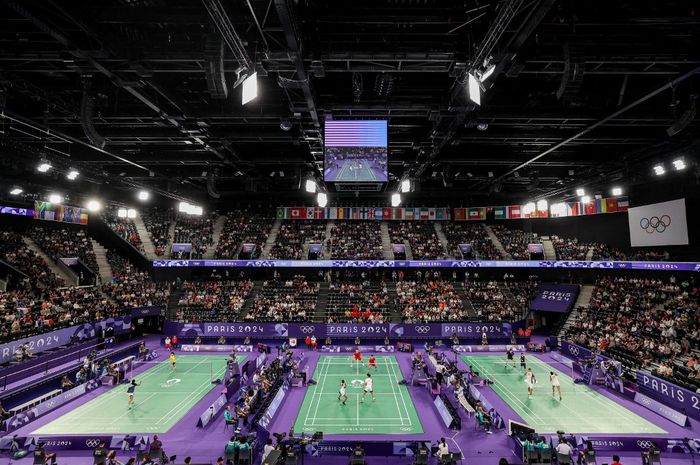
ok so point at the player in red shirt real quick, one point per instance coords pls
(372, 362)
(356, 357)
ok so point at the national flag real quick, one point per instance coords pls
(398, 213)
(441, 214)
(514, 211)
(332, 213)
(611, 205)
(460, 214)
(355, 213)
(311, 212)
(600, 205)
(407, 213)
(500, 213)
(431, 213)
(424, 214)
(477, 213)
(574, 209)
(364, 213)
(623, 204)
(348, 213)
(83, 218)
(589, 208)
(297, 213)
(388, 213)
(281, 212)
(341, 213)
(320, 213)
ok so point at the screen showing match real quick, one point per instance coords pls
(355, 151)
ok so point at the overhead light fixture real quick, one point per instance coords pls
(250, 89)
(72, 175)
(122, 213)
(285, 125)
(43, 167)
(487, 73)
(490, 174)
(184, 207)
(143, 195)
(542, 205)
(196, 210)
(616, 191)
(94, 206)
(406, 186)
(322, 199)
(659, 170)
(281, 174)
(482, 126)
(586, 198)
(395, 200)
(16, 191)
(55, 198)
(571, 172)
(474, 89)
(131, 213)
(516, 175)
(310, 186)
(580, 192)
(679, 164)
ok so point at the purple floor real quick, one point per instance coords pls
(477, 447)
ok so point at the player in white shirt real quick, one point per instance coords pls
(342, 391)
(368, 388)
(530, 380)
(556, 386)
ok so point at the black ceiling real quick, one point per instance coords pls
(562, 68)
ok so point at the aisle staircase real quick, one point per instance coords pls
(589, 254)
(386, 241)
(271, 238)
(216, 235)
(104, 268)
(250, 300)
(320, 315)
(394, 311)
(497, 243)
(583, 300)
(409, 252)
(328, 242)
(149, 249)
(173, 300)
(548, 245)
(468, 307)
(69, 280)
(443, 239)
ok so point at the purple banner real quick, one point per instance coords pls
(676, 397)
(654, 266)
(555, 297)
(141, 312)
(17, 211)
(611, 444)
(574, 351)
(228, 348)
(340, 330)
(117, 441)
(663, 410)
(535, 248)
(210, 413)
(371, 448)
(181, 247)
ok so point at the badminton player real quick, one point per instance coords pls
(356, 357)
(530, 380)
(373, 362)
(556, 386)
(342, 394)
(369, 387)
(130, 391)
(172, 361)
(510, 357)
(523, 365)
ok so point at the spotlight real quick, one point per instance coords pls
(131, 213)
(580, 192)
(586, 198)
(250, 89)
(322, 199)
(72, 174)
(195, 210)
(310, 186)
(43, 167)
(541, 205)
(184, 207)
(285, 125)
(55, 198)
(122, 213)
(474, 90)
(16, 191)
(143, 195)
(487, 73)
(395, 200)
(406, 186)
(659, 170)
(490, 174)
(679, 164)
(616, 191)
(94, 206)
(482, 126)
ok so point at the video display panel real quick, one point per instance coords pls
(355, 151)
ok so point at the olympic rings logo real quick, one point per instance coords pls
(655, 224)
(307, 329)
(573, 350)
(422, 329)
(644, 444)
(92, 443)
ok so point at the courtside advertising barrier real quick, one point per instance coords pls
(678, 398)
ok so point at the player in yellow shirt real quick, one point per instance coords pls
(172, 361)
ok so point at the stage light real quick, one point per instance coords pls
(580, 192)
(250, 89)
(184, 207)
(395, 200)
(72, 175)
(541, 205)
(94, 206)
(122, 213)
(131, 213)
(55, 198)
(586, 198)
(406, 186)
(143, 195)
(659, 170)
(43, 167)
(616, 191)
(322, 199)
(487, 73)
(474, 90)
(196, 210)
(679, 164)
(16, 191)
(310, 186)
(529, 208)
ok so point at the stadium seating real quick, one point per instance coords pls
(244, 226)
(356, 240)
(421, 237)
(131, 287)
(430, 300)
(14, 251)
(357, 302)
(473, 234)
(124, 227)
(514, 241)
(212, 300)
(157, 222)
(285, 300)
(59, 241)
(293, 235)
(194, 230)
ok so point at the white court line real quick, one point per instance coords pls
(323, 383)
(357, 402)
(396, 402)
(136, 404)
(313, 396)
(408, 415)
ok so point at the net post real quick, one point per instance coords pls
(211, 371)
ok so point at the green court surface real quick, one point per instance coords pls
(582, 409)
(163, 398)
(392, 413)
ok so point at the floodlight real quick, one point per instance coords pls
(94, 205)
(679, 164)
(55, 198)
(406, 186)
(310, 185)
(322, 199)
(474, 90)
(16, 191)
(122, 213)
(616, 191)
(580, 192)
(250, 88)
(131, 213)
(541, 205)
(487, 73)
(143, 195)
(43, 167)
(72, 174)
(659, 170)
(395, 200)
